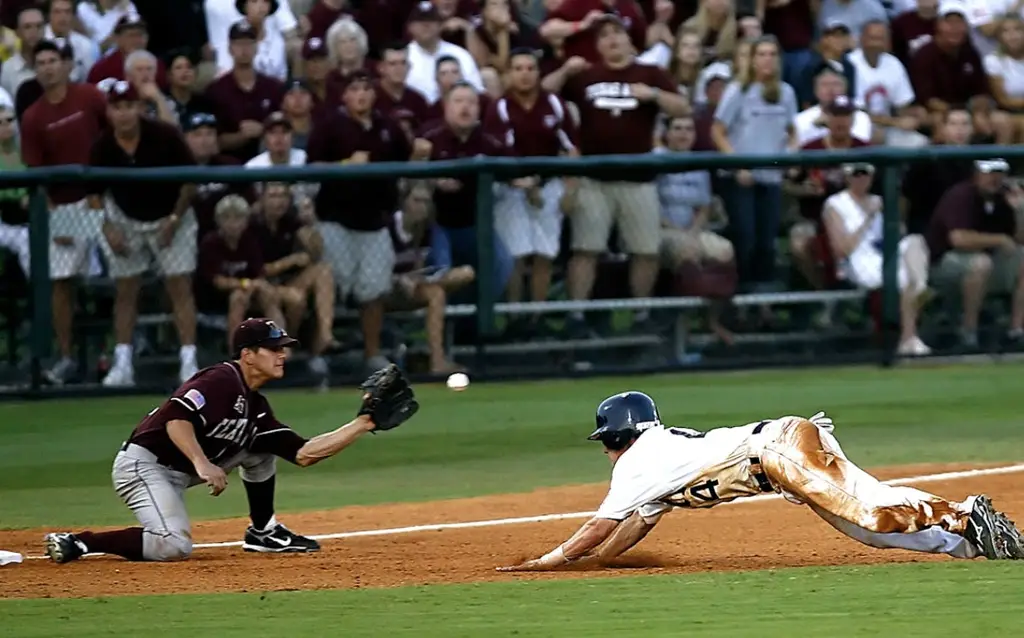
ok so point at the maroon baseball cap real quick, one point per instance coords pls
(261, 333)
(121, 91)
(424, 12)
(129, 21)
(842, 105)
(314, 48)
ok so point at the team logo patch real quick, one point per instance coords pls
(196, 398)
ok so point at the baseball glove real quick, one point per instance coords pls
(388, 399)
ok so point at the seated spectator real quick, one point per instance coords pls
(884, 90)
(852, 13)
(145, 225)
(140, 70)
(1005, 69)
(414, 286)
(292, 253)
(393, 95)
(832, 48)
(349, 47)
(182, 96)
(973, 238)
(221, 15)
(271, 50)
(914, 29)
(948, 71)
(926, 182)
(449, 73)
(687, 63)
(297, 107)
(427, 48)
(231, 278)
(316, 72)
(131, 35)
(61, 16)
(853, 224)
(716, 28)
(99, 20)
(495, 34)
(19, 68)
(810, 123)
(201, 137)
(13, 201)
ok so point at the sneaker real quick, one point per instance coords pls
(981, 529)
(914, 347)
(187, 370)
(120, 376)
(64, 547)
(1009, 537)
(61, 371)
(278, 540)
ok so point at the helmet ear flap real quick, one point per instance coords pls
(618, 440)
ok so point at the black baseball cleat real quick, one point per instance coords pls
(1009, 537)
(64, 547)
(277, 541)
(981, 530)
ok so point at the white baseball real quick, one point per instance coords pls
(458, 381)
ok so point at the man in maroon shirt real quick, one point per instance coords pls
(243, 97)
(975, 244)
(354, 213)
(58, 129)
(575, 24)
(132, 36)
(393, 96)
(619, 101)
(217, 421)
(528, 219)
(912, 30)
(145, 224)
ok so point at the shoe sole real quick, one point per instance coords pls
(983, 508)
(55, 550)
(291, 549)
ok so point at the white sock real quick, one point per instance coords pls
(187, 354)
(271, 524)
(123, 355)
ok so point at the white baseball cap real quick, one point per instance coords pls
(950, 7)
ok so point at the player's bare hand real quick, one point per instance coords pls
(250, 128)
(214, 477)
(529, 566)
(575, 64)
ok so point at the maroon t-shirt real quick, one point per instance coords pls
(218, 259)
(831, 179)
(792, 24)
(584, 43)
(358, 204)
(63, 133)
(279, 241)
(953, 78)
(233, 105)
(228, 418)
(208, 195)
(410, 106)
(910, 32)
(963, 208)
(458, 209)
(544, 128)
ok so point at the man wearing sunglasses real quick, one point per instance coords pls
(215, 422)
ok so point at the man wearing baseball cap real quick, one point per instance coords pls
(427, 48)
(132, 35)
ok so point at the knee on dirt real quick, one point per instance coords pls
(170, 547)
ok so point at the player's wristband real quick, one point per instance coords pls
(554, 558)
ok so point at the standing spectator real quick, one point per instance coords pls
(449, 73)
(926, 182)
(14, 202)
(99, 19)
(348, 47)
(140, 70)
(460, 135)
(59, 129)
(495, 35)
(62, 17)
(884, 89)
(686, 63)
(231, 265)
(573, 25)
(792, 22)
(297, 107)
(354, 214)
(201, 137)
(831, 54)
(182, 96)
(272, 57)
(222, 15)
(528, 219)
(853, 13)
(391, 90)
(244, 97)
(948, 71)
(1005, 69)
(809, 124)
(316, 71)
(131, 35)
(427, 48)
(973, 239)
(715, 25)
(20, 66)
(619, 102)
(756, 117)
(914, 29)
(31, 90)
(145, 223)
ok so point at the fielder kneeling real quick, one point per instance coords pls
(657, 468)
(215, 422)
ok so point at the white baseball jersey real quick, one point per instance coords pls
(678, 467)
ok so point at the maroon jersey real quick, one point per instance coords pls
(953, 78)
(358, 204)
(830, 179)
(612, 121)
(159, 145)
(458, 209)
(63, 133)
(227, 416)
(542, 128)
(208, 195)
(910, 32)
(112, 66)
(233, 104)
(584, 43)
(409, 106)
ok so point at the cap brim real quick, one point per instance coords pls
(596, 435)
(280, 342)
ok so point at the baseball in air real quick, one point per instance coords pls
(458, 382)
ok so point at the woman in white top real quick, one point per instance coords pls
(1005, 70)
(853, 224)
(99, 17)
(271, 49)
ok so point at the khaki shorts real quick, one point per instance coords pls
(678, 246)
(77, 222)
(634, 207)
(362, 261)
(144, 250)
(950, 271)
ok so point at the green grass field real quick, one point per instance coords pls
(55, 464)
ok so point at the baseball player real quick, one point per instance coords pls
(215, 422)
(657, 468)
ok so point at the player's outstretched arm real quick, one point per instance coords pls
(593, 533)
(324, 446)
(632, 530)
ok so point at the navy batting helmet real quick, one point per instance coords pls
(622, 417)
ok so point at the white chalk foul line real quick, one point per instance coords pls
(927, 478)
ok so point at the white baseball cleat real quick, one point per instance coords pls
(64, 547)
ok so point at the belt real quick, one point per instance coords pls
(755, 466)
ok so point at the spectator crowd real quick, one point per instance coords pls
(264, 83)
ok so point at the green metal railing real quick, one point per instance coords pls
(488, 170)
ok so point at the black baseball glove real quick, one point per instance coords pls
(388, 399)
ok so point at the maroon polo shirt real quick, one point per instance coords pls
(953, 77)
(963, 208)
(233, 105)
(411, 102)
(160, 145)
(910, 32)
(584, 43)
(363, 204)
(542, 128)
(458, 209)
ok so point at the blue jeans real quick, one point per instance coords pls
(457, 247)
(794, 63)
(754, 215)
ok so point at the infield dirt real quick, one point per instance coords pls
(743, 536)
